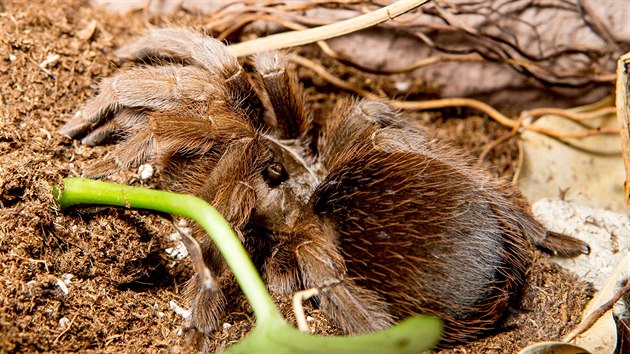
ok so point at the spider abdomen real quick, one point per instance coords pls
(426, 235)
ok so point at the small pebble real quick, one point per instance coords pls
(64, 323)
(12, 58)
(402, 86)
(174, 236)
(178, 252)
(67, 278)
(226, 325)
(62, 286)
(145, 171)
(31, 284)
(178, 310)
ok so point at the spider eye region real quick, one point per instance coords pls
(275, 174)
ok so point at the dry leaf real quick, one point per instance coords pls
(575, 43)
(588, 171)
(553, 348)
(602, 336)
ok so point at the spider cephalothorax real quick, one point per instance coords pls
(384, 221)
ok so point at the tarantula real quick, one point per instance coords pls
(385, 221)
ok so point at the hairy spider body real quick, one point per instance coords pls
(383, 220)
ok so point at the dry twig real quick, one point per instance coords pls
(298, 298)
(539, 112)
(292, 39)
(597, 314)
(463, 102)
(497, 39)
(42, 68)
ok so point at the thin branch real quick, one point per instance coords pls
(324, 74)
(597, 314)
(539, 112)
(292, 39)
(335, 55)
(298, 309)
(507, 49)
(491, 146)
(447, 103)
(457, 102)
(576, 135)
(220, 19)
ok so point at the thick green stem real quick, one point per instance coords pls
(272, 333)
(79, 191)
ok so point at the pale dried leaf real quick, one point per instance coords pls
(553, 348)
(590, 173)
(602, 336)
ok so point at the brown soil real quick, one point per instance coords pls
(123, 281)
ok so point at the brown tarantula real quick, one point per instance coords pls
(383, 220)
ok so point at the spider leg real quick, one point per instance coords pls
(154, 134)
(235, 200)
(183, 134)
(205, 52)
(132, 152)
(355, 309)
(280, 270)
(207, 306)
(285, 94)
(165, 88)
(348, 123)
(372, 121)
(102, 133)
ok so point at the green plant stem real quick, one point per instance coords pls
(78, 191)
(272, 333)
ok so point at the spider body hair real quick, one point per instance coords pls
(384, 220)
